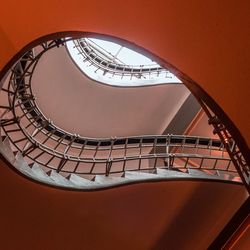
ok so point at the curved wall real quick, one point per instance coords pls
(82, 106)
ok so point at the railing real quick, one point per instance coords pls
(92, 56)
(39, 140)
(234, 152)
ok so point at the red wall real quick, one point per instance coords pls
(207, 40)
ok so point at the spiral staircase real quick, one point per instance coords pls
(43, 152)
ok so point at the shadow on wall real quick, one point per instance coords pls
(191, 216)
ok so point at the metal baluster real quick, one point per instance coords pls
(125, 155)
(140, 153)
(94, 157)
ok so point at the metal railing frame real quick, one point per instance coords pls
(25, 119)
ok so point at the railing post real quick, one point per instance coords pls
(108, 166)
(234, 152)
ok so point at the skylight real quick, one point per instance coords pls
(122, 54)
(113, 64)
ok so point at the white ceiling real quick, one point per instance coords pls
(79, 105)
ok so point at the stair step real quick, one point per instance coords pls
(200, 174)
(171, 173)
(135, 175)
(59, 179)
(109, 180)
(35, 171)
(6, 150)
(40, 174)
(236, 179)
(22, 165)
(80, 182)
(225, 176)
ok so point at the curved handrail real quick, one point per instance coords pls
(100, 68)
(89, 53)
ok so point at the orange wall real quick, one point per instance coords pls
(207, 40)
(140, 216)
